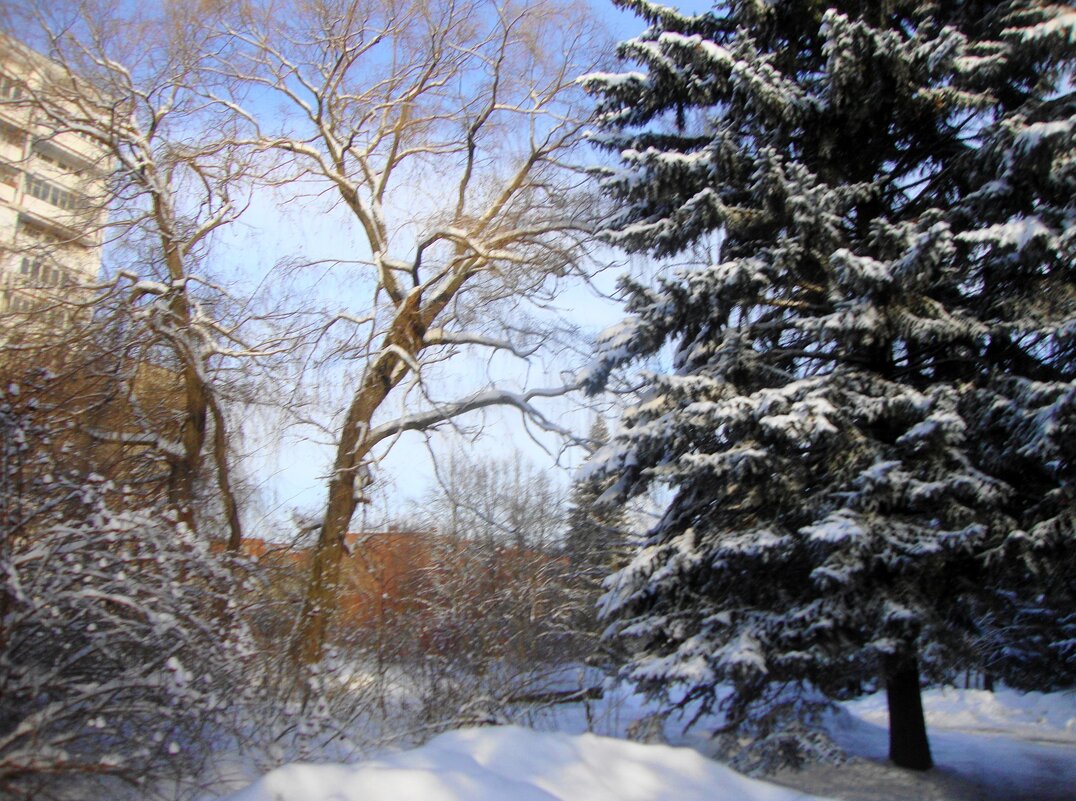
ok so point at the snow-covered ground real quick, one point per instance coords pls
(987, 746)
(510, 763)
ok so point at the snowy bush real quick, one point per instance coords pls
(119, 646)
(454, 637)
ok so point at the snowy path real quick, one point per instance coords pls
(986, 746)
(971, 766)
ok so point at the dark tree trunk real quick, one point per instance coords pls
(908, 745)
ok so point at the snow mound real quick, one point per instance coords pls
(515, 764)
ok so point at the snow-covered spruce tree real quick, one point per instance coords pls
(868, 424)
(594, 539)
(595, 542)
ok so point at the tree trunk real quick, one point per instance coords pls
(908, 745)
(379, 379)
(320, 599)
(184, 470)
(224, 479)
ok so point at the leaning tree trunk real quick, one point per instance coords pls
(320, 599)
(908, 745)
(345, 486)
(409, 326)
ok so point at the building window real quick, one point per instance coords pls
(9, 175)
(51, 193)
(55, 161)
(21, 304)
(30, 269)
(56, 317)
(38, 235)
(9, 88)
(37, 272)
(11, 135)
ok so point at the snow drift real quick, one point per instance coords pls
(510, 763)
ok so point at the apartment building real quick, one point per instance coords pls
(52, 189)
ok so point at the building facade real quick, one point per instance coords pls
(53, 186)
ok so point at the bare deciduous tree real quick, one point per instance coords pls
(505, 502)
(132, 82)
(444, 128)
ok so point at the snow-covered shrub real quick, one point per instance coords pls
(120, 646)
(453, 634)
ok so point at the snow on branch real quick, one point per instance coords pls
(480, 400)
